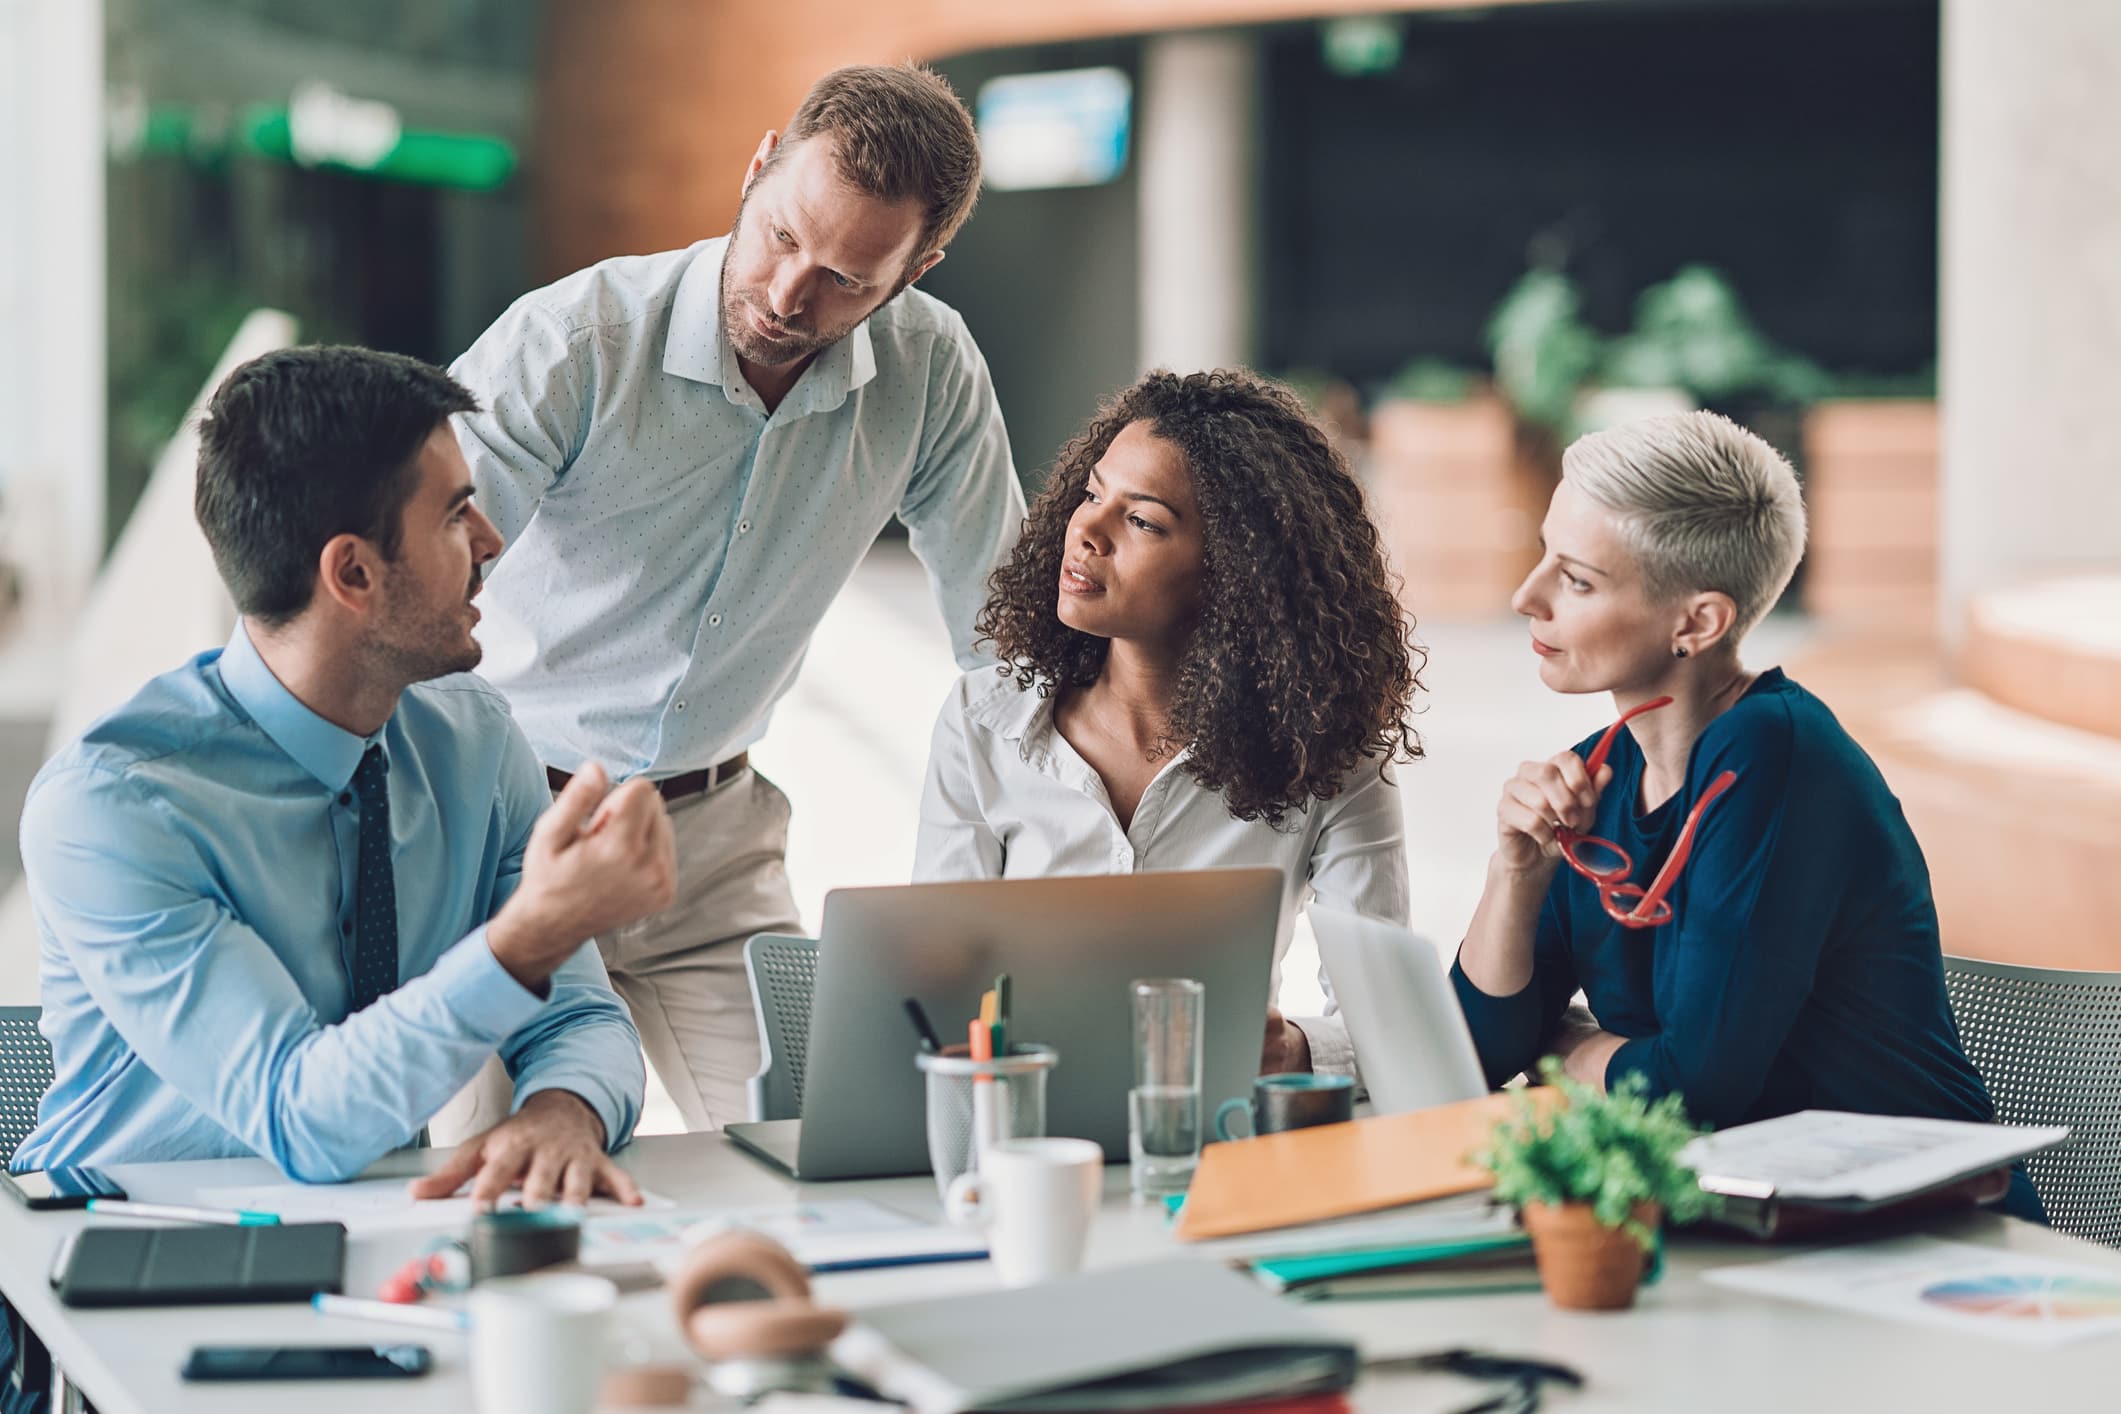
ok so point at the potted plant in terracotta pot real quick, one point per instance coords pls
(1593, 1179)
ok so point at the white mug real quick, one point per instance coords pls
(1036, 1199)
(537, 1342)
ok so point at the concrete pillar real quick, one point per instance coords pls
(1198, 146)
(52, 374)
(2030, 344)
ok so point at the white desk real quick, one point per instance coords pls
(1686, 1346)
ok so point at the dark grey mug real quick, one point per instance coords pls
(1296, 1100)
(517, 1240)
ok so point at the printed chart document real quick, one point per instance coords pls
(1829, 1157)
(1955, 1285)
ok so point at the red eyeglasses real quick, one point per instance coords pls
(1607, 865)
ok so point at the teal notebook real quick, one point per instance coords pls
(1285, 1273)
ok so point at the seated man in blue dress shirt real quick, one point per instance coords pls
(293, 894)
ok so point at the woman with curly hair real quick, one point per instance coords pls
(1203, 665)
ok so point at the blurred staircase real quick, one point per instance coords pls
(2008, 763)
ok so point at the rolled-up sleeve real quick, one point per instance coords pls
(582, 1040)
(536, 383)
(963, 507)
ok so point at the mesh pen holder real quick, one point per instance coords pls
(1007, 1093)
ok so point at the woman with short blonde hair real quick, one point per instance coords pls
(1723, 873)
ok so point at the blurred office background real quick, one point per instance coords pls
(1885, 233)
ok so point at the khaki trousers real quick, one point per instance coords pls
(681, 971)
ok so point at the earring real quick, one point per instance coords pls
(1680, 651)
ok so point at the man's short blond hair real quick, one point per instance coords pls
(1703, 504)
(898, 131)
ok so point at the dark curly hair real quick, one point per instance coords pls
(1293, 676)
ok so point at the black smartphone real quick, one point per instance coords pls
(60, 1188)
(307, 1362)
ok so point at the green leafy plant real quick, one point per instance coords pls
(1544, 351)
(1611, 1150)
(1693, 332)
(1430, 380)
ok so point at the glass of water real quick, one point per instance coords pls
(1163, 1108)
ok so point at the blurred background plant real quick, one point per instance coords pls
(1691, 337)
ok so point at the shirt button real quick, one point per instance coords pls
(345, 797)
(714, 620)
(681, 706)
(743, 527)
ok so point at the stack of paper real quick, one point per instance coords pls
(1448, 1267)
(1856, 1160)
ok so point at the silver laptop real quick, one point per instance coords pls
(1070, 947)
(1411, 1041)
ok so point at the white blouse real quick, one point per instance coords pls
(1008, 797)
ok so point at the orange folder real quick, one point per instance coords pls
(1338, 1170)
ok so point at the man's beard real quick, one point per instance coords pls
(796, 343)
(413, 645)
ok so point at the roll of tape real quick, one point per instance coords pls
(518, 1240)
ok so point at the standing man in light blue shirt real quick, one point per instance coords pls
(690, 453)
(293, 894)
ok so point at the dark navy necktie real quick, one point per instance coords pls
(375, 960)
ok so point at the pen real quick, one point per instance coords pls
(1001, 1015)
(360, 1308)
(930, 1042)
(983, 1130)
(177, 1212)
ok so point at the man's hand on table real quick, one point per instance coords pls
(552, 1148)
(1285, 1046)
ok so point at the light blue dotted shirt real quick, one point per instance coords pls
(672, 546)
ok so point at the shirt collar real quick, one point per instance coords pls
(327, 752)
(698, 346)
(1025, 716)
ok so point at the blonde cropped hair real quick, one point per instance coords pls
(1702, 503)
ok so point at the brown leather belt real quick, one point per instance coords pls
(676, 787)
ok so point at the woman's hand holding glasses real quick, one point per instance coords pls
(1541, 800)
(1551, 804)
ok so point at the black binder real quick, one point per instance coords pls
(184, 1266)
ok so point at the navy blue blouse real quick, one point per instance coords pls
(1801, 967)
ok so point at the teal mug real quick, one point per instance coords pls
(1296, 1100)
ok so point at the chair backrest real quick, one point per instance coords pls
(25, 1074)
(783, 972)
(2048, 1045)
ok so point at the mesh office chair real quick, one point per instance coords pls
(2048, 1045)
(25, 1074)
(783, 973)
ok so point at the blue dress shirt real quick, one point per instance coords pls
(192, 864)
(671, 544)
(1801, 969)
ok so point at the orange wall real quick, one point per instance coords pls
(648, 110)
